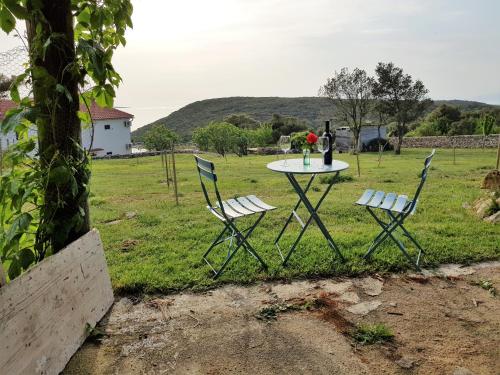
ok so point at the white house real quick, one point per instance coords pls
(111, 130)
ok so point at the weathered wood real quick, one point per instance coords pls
(44, 312)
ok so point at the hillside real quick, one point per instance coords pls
(312, 109)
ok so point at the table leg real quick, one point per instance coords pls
(292, 214)
(313, 215)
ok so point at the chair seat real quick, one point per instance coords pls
(240, 207)
(389, 202)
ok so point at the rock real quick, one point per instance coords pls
(364, 308)
(114, 222)
(483, 206)
(393, 304)
(495, 218)
(350, 297)
(405, 362)
(462, 371)
(371, 286)
(130, 214)
(466, 205)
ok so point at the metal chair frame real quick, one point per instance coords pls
(227, 215)
(397, 210)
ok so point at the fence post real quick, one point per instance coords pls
(174, 175)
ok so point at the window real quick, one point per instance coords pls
(109, 152)
(107, 127)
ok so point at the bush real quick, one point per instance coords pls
(159, 138)
(260, 137)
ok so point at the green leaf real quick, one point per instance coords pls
(59, 175)
(17, 10)
(14, 269)
(26, 258)
(7, 20)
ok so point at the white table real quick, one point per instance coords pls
(294, 167)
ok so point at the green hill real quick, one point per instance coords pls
(312, 109)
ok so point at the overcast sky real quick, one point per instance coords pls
(187, 50)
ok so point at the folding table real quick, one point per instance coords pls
(291, 168)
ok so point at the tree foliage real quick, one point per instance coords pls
(242, 121)
(352, 94)
(159, 138)
(286, 125)
(71, 45)
(222, 138)
(401, 98)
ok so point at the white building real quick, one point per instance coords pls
(111, 135)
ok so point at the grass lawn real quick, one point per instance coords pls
(170, 239)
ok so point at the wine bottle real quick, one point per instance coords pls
(328, 155)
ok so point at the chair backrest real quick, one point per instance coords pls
(423, 177)
(206, 172)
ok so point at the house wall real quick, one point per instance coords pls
(7, 139)
(113, 141)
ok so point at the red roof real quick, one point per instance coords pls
(98, 113)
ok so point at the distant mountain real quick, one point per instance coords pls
(312, 109)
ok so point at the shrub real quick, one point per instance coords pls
(260, 137)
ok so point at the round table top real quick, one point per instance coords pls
(296, 166)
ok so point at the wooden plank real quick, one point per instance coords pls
(44, 312)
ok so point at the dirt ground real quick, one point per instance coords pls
(443, 323)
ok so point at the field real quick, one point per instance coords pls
(160, 248)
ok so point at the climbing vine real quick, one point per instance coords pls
(44, 191)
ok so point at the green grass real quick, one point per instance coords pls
(368, 334)
(169, 240)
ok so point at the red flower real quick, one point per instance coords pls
(312, 138)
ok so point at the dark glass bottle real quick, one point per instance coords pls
(328, 154)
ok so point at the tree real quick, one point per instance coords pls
(221, 137)
(352, 95)
(286, 125)
(260, 137)
(242, 121)
(71, 45)
(5, 83)
(159, 138)
(399, 97)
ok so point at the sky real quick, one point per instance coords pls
(188, 50)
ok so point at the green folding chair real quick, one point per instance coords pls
(228, 212)
(397, 208)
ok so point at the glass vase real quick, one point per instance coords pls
(307, 156)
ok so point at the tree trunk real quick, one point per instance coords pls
(59, 129)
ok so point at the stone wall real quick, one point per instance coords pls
(459, 141)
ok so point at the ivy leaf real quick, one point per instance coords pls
(26, 258)
(17, 10)
(7, 20)
(59, 175)
(14, 269)
(20, 225)
(84, 117)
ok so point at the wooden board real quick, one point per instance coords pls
(44, 312)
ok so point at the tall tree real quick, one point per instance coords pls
(351, 92)
(399, 97)
(71, 45)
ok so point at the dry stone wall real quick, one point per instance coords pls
(458, 141)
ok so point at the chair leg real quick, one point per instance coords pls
(241, 241)
(387, 231)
